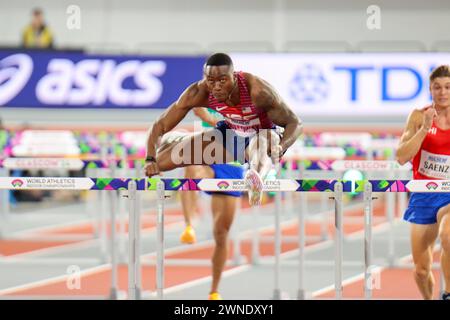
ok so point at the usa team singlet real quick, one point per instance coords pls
(241, 122)
(245, 118)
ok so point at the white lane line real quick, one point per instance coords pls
(147, 213)
(91, 242)
(193, 283)
(107, 266)
(81, 244)
(350, 280)
(360, 276)
(170, 251)
(52, 280)
(36, 232)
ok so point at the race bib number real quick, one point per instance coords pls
(434, 165)
(245, 128)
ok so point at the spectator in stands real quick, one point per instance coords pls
(37, 34)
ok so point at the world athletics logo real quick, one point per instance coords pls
(431, 185)
(223, 185)
(17, 183)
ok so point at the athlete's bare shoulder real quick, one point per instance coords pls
(261, 91)
(416, 116)
(254, 83)
(413, 123)
(196, 95)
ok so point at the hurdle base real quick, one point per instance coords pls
(134, 294)
(301, 294)
(280, 295)
(238, 261)
(276, 294)
(138, 294)
(113, 294)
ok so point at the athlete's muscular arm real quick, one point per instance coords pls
(204, 115)
(265, 97)
(194, 96)
(417, 126)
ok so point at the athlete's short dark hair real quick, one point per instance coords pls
(440, 72)
(219, 59)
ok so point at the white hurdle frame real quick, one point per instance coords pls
(277, 293)
(338, 239)
(134, 238)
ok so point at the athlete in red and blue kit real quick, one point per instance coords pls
(426, 141)
(251, 109)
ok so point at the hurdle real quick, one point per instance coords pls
(92, 170)
(333, 169)
(9, 164)
(317, 158)
(132, 185)
(382, 145)
(59, 150)
(338, 187)
(95, 167)
(40, 150)
(376, 149)
(300, 156)
(69, 183)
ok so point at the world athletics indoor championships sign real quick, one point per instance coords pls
(57, 183)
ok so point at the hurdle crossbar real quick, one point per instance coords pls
(223, 185)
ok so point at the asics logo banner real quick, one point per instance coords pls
(94, 81)
(77, 80)
(15, 71)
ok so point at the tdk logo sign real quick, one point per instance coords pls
(309, 85)
(15, 71)
(385, 75)
(313, 84)
(95, 81)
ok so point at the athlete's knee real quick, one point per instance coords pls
(443, 212)
(444, 237)
(189, 172)
(163, 163)
(444, 228)
(253, 144)
(195, 172)
(422, 272)
(221, 235)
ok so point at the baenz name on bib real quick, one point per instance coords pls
(434, 165)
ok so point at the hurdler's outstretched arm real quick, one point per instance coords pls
(194, 96)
